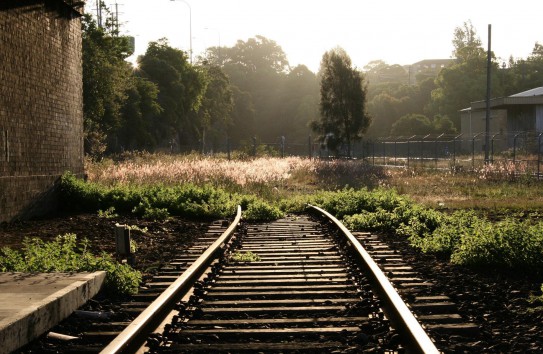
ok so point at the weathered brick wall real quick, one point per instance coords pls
(41, 109)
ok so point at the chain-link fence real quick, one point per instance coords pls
(520, 152)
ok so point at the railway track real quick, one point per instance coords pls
(299, 284)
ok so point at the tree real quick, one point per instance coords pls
(259, 67)
(299, 104)
(467, 45)
(105, 78)
(465, 81)
(243, 117)
(412, 124)
(342, 103)
(419, 124)
(181, 89)
(377, 71)
(214, 113)
(139, 112)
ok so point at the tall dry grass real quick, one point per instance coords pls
(490, 187)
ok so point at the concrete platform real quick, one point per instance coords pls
(33, 303)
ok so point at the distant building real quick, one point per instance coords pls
(509, 116)
(426, 68)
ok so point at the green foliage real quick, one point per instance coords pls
(108, 84)
(65, 254)
(505, 244)
(465, 81)
(260, 210)
(181, 88)
(217, 105)
(463, 236)
(108, 214)
(418, 124)
(245, 257)
(342, 104)
(159, 202)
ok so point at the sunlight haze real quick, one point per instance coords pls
(398, 32)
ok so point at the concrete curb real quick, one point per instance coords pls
(33, 303)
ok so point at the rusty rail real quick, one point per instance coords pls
(399, 313)
(131, 337)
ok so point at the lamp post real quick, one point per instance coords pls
(190, 27)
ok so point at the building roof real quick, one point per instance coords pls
(538, 91)
(530, 97)
(433, 61)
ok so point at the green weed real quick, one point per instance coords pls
(65, 254)
(245, 257)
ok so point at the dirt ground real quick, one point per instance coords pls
(497, 302)
(154, 246)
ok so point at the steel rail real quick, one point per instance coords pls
(400, 312)
(130, 337)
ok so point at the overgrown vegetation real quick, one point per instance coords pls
(491, 235)
(463, 236)
(245, 257)
(158, 202)
(66, 254)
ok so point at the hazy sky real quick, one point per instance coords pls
(396, 31)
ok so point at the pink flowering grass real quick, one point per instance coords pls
(220, 172)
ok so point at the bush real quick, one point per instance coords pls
(158, 202)
(506, 244)
(64, 254)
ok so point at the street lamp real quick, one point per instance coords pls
(190, 27)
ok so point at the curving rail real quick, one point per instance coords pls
(130, 338)
(400, 313)
(135, 334)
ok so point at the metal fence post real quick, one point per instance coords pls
(454, 150)
(515, 149)
(492, 148)
(254, 146)
(228, 147)
(282, 146)
(408, 153)
(309, 147)
(373, 153)
(538, 153)
(422, 149)
(435, 147)
(384, 153)
(473, 151)
(395, 153)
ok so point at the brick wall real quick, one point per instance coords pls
(41, 117)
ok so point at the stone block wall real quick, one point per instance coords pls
(41, 105)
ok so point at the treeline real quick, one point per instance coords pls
(235, 94)
(433, 104)
(164, 102)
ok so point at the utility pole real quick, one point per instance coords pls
(488, 82)
(99, 13)
(116, 18)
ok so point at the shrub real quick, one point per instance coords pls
(506, 244)
(64, 254)
(159, 202)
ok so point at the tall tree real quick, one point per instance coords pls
(140, 112)
(464, 82)
(342, 104)
(299, 104)
(105, 78)
(467, 44)
(215, 111)
(259, 68)
(181, 89)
